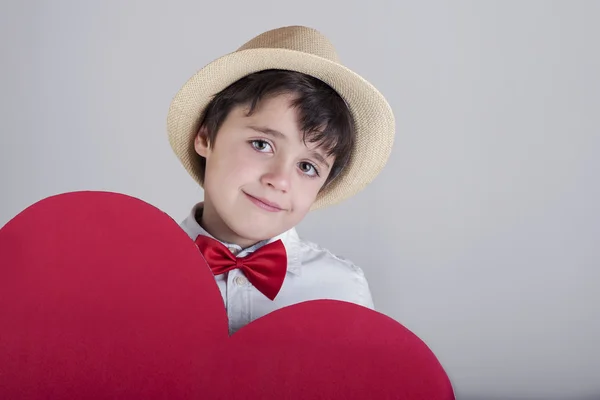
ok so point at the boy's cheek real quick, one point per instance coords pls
(231, 164)
(303, 202)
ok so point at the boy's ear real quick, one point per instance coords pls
(201, 144)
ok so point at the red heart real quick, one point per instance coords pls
(104, 296)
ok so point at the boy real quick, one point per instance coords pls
(272, 131)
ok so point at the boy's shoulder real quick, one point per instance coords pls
(335, 275)
(313, 253)
(307, 254)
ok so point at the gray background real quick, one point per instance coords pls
(482, 234)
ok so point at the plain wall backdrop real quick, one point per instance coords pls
(482, 235)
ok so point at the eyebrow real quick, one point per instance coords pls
(267, 131)
(320, 158)
(276, 133)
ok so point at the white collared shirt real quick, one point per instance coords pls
(312, 273)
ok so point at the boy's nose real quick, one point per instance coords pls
(278, 178)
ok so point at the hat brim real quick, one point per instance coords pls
(374, 119)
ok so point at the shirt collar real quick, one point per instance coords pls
(289, 238)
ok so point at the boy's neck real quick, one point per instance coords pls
(209, 220)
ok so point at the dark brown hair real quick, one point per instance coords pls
(324, 117)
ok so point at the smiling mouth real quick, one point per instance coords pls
(264, 204)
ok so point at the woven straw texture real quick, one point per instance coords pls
(304, 50)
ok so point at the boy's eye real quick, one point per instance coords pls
(308, 169)
(261, 145)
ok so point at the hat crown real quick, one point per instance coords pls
(296, 38)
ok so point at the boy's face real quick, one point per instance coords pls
(261, 178)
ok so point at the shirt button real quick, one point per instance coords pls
(233, 250)
(240, 280)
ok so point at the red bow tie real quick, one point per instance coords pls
(265, 268)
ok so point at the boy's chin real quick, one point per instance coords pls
(256, 235)
(255, 231)
(255, 225)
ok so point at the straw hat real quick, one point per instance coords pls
(305, 50)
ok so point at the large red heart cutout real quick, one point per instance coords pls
(104, 296)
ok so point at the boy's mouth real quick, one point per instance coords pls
(264, 203)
